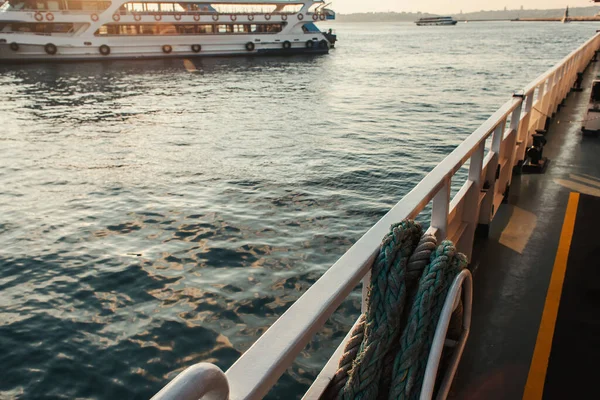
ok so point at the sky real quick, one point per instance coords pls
(449, 7)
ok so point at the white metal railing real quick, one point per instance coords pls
(490, 174)
(199, 381)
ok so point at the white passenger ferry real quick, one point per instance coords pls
(39, 30)
(446, 21)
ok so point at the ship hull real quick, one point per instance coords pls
(451, 23)
(33, 48)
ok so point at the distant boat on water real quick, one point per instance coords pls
(446, 21)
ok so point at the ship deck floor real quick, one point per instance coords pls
(535, 329)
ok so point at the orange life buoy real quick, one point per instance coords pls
(177, 17)
(50, 16)
(94, 17)
(315, 17)
(196, 17)
(157, 17)
(116, 17)
(38, 16)
(137, 17)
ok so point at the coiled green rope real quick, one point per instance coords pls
(385, 305)
(383, 358)
(417, 338)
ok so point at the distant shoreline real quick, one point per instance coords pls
(581, 14)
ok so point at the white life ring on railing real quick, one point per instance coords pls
(177, 17)
(38, 16)
(315, 17)
(300, 17)
(116, 17)
(49, 16)
(137, 17)
(250, 17)
(94, 17)
(196, 17)
(233, 17)
(322, 17)
(284, 17)
(157, 17)
(215, 17)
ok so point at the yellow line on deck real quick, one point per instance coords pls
(534, 389)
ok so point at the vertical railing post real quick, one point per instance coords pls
(511, 144)
(540, 121)
(472, 203)
(439, 212)
(545, 105)
(570, 79)
(564, 84)
(556, 99)
(487, 206)
(580, 60)
(524, 128)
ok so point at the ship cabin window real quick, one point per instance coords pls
(204, 29)
(186, 29)
(39, 28)
(147, 29)
(225, 28)
(241, 28)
